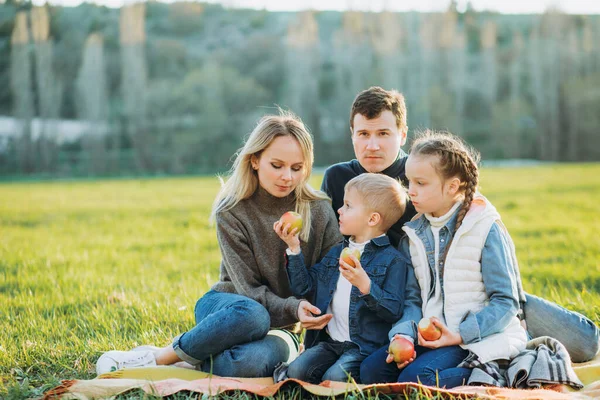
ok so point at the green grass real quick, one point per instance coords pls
(96, 265)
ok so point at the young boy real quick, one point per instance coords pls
(364, 299)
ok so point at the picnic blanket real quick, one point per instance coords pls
(165, 381)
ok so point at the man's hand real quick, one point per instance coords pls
(356, 275)
(390, 358)
(448, 338)
(289, 237)
(308, 320)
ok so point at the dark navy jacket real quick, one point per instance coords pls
(371, 315)
(338, 175)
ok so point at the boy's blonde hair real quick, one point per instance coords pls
(381, 194)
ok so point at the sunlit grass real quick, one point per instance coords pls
(90, 266)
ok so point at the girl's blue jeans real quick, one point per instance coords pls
(432, 367)
(230, 338)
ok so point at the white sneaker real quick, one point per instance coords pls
(115, 360)
(147, 347)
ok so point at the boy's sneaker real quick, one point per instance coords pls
(115, 360)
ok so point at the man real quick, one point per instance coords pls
(378, 127)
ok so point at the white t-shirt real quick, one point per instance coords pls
(338, 328)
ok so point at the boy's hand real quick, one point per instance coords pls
(448, 337)
(289, 237)
(356, 275)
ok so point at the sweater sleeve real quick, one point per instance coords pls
(241, 266)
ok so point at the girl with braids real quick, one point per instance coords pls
(465, 272)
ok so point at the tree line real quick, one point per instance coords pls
(155, 88)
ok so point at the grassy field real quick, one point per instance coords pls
(91, 266)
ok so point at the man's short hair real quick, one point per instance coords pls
(381, 194)
(373, 101)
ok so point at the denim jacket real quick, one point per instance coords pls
(371, 315)
(499, 277)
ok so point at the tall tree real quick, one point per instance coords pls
(134, 82)
(49, 88)
(22, 90)
(92, 104)
(302, 70)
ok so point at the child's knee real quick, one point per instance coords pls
(339, 374)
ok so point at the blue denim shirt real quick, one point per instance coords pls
(499, 278)
(371, 315)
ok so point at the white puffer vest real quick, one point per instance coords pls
(463, 286)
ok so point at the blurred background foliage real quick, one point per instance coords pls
(155, 88)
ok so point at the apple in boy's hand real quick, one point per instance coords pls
(292, 218)
(428, 330)
(401, 350)
(345, 256)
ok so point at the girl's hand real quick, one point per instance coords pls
(289, 237)
(306, 312)
(448, 338)
(390, 358)
(356, 275)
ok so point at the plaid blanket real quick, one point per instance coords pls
(544, 361)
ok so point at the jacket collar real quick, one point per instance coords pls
(380, 241)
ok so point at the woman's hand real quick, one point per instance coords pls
(306, 312)
(390, 358)
(289, 237)
(448, 338)
(357, 276)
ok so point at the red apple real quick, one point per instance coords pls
(346, 252)
(428, 330)
(401, 349)
(292, 218)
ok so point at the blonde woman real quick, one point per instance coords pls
(269, 177)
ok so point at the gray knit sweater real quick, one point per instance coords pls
(253, 256)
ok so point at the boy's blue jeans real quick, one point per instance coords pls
(327, 360)
(432, 367)
(229, 338)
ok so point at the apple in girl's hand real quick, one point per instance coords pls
(346, 255)
(428, 330)
(401, 349)
(292, 218)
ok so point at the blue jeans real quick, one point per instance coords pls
(432, 367)
(229, 338)
(578, 333)
(327, 360)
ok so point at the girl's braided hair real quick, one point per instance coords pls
(455, 159)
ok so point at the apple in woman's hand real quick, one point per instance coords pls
(292, 218)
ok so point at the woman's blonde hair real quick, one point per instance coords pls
(243, 179)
